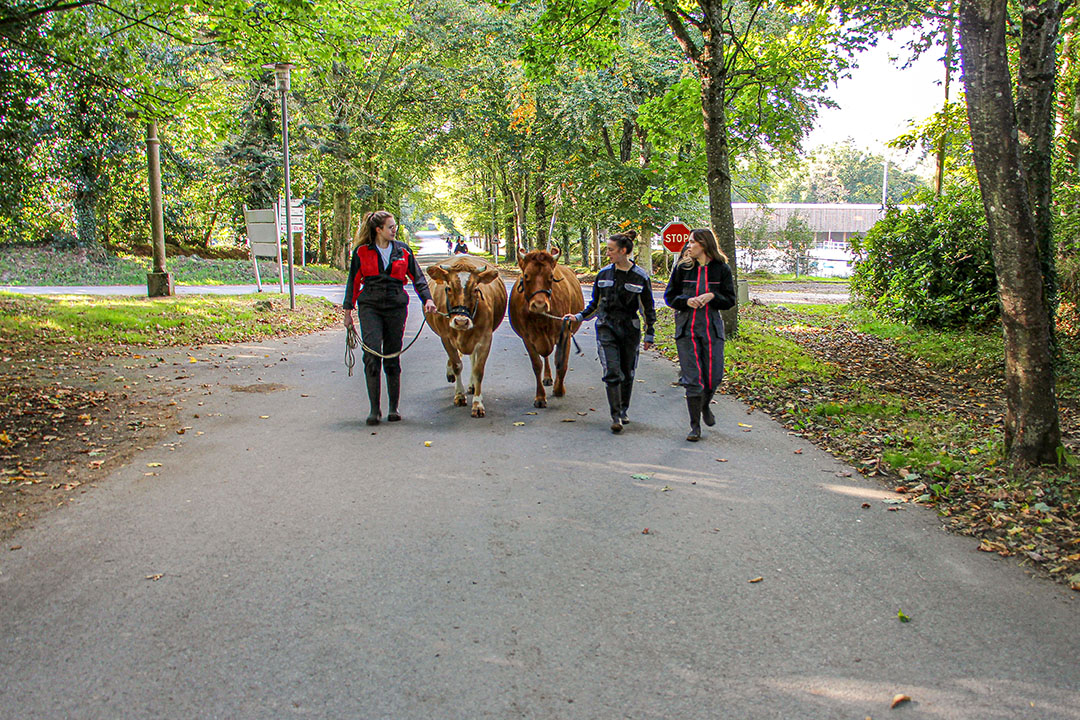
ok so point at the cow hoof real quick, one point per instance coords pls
(472, 391)
(540, 403)
(450, 378)
(559, 391)
(547, 382)
(460, 401)
(478, 412)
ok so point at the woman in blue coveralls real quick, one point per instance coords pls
(621, 291)
(379, 270)
(700, 287)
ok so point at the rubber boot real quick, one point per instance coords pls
(374, 393)
(614, 400)
(706, 411)
(624, 405)
(693, 405)
(393, 392)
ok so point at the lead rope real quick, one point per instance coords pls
(352, 341)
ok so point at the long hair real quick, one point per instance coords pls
(705, 238)
(365, 234)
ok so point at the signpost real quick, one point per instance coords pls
(297, 218)
(675, 235)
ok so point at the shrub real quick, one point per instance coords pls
(930, 265)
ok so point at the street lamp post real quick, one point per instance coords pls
(281, 84)
(159, 282)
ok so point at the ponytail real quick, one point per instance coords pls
(365, 234)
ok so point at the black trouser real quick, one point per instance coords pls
(618, 350)
(382, 330)
(701, 364)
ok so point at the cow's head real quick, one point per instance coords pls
(537, 278)
(462, 282)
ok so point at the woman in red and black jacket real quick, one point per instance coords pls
(376, 287)
(699, 288)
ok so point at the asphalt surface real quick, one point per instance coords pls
(291, 561)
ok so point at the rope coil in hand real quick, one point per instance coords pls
(352, 341)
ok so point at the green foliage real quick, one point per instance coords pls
(930, 265)
(843, 173)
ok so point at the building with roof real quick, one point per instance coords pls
(833, 225)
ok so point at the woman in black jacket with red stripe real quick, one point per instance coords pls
(699, 288)
(379, 270)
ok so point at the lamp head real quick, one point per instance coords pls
(281, 74)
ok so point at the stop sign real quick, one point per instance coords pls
(674, 235)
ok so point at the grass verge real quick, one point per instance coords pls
(20, 265)
(180, 320)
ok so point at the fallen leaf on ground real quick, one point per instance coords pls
(721, 459)
(15, 547)
(641, 476)
(427, 443)
(569, 419)
(902, 617)
(154, 464)
(866, 505)
(745, 425)
(263, 417)
(530, 413)
(799, 451)
(518, 424)
(155, 577)
(645, 531)
(899, 699)
(755, 580)
(666, 488)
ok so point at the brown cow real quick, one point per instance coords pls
(472, 303)
(545, 288)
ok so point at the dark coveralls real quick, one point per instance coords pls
(378, 292)
(699, 332)
(617, 297)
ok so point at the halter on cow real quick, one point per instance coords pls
(542, 295)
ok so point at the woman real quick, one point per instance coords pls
(700, 287)
(376, 286)
(621, 291)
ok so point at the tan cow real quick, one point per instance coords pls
(472, 303)
(542, 295)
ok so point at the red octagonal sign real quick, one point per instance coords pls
(675, 235)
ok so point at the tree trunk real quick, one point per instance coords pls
(339, 232)
(1040, 24)
(1032, 434)
(644, 254)
(583, 239)
(708, 60)
(950, 53)
(596, 246)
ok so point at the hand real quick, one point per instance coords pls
(694, 302)
(349, 321)
(646, 345)
(569, 316)
(429, 306)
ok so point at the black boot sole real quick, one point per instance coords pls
(393, 417)
(372, 420)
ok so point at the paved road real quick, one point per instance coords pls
(310, 567)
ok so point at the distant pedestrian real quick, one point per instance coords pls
(699, 288)
(621, 291)
(379, 270)
(449, 244)
(461, 248)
